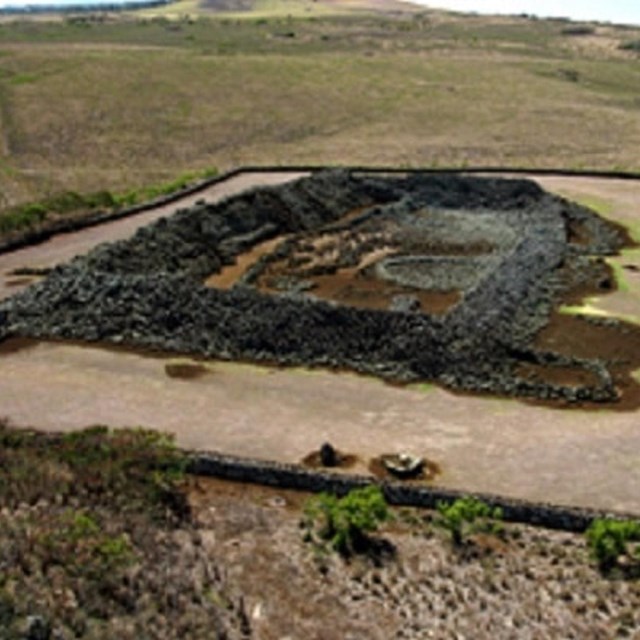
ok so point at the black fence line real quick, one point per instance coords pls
(496, 170)
(37, 236)
(410, 494)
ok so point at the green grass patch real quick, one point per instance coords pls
(23, 78)
(589, 309)
(620, 275)
(599, 205)
(29, 215)
(143, 194)
(423, 387)
(584, 309)
(631, 45)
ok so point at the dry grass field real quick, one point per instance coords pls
(117, 102)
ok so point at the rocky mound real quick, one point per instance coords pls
(506, 248)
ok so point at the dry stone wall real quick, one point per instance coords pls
(148, 290)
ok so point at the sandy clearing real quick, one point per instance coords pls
(493, 445)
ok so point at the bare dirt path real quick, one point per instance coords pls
(492, 445)
(63, 247)
(482, 444)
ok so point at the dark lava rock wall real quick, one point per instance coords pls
(147, 291)
(197, 242)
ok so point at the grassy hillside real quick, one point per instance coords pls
(95, 103)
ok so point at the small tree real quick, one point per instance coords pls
(467, 516)
(609, 540)
(346, 522)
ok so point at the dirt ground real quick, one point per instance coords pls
(531, 584)
(587, 458)
(483, 444)
(619, 201)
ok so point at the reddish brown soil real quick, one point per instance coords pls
(577, 234)
(558, 375)
(617, 343)
(230, 274)
(358, 290)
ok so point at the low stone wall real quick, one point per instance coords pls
(410, 494)
(436, 273)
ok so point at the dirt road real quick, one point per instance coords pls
(493, 445)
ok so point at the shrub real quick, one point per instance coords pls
(22, 217)
(346, 522)
(133, 467)
(632, 45)
(467, 516)
(578, 30)
(609, 540)
(78, 543)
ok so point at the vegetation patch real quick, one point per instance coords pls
(71, 204)
(467, 517)
(615, 545)
(631, 45)
(421, 89)
(96, 540)
(346, 523)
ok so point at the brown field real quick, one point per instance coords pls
(133, 101)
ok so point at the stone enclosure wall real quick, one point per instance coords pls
(148, 290)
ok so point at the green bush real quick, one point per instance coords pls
(346, 522)
(467, 516)
(609, 540)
